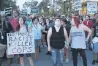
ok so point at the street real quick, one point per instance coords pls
(46, 60)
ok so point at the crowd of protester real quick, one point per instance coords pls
(57, 34)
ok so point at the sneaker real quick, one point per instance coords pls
(93, 62)
(48, 53)
(67, 61)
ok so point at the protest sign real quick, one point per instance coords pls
(91, 7)
(20, 43)
(77, 5)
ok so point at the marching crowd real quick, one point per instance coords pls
(58, 34)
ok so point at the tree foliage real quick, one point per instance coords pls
(6, 4)
(43, 5)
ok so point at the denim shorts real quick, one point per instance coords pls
(37, 43)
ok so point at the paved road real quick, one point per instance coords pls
(46, 60)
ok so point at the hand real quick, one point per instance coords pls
(49, 49)
(86, 40)
(66, 46)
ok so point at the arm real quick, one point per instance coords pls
(66, 37)
(48, 38)
(89, 32)
(45, 31)
(70, 37)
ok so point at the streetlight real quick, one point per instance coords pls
(48, 8)
(64, 5)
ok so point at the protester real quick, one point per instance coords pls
(88, 22)
(24, 30)
(28, 22)
(67, 26)
(15, 20)
(6, 28)
(77, 37)
(47, 26)
(37, 29)
(42, 23)
(56, 37)
(15, 25)
(95, 48)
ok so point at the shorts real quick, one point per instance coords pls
(9, 56)
(22, 55)
(37, 43)
(95, 48)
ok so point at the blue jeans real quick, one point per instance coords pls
(57, 57)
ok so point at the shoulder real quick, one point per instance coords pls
(82, 25)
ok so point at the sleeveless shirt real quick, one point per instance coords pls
(57, 38)
(78, 38)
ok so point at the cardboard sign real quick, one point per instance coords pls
(78, 5)
(91, 7)
(20, 43)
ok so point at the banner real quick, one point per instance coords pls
(91, 7)
(35, 10)
(20, 43)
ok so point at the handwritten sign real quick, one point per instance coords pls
(78, 5)
(91, 7)
(20, 43)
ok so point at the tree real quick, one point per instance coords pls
(67, 5)
(43, 5)
(7, 3)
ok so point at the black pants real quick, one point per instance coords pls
(75, 55)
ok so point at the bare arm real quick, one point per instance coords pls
(48, 38)
(66, 37)
(70, 38)
(89, 32)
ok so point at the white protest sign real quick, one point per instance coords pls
(78, 4)
(20, 43)
(91, 7)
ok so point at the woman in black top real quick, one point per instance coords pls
(55, 38)
(47, 26)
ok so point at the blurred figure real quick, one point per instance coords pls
(37, 29)
(95, 45)
(15, 25)
(6, 28)
(47, 26)
(89, 24)
(28, 22)
(67, 26)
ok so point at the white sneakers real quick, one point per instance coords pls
(67, 61)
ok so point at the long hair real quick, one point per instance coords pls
(76, 21)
